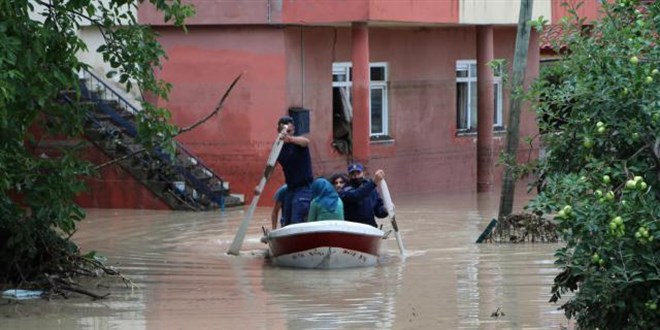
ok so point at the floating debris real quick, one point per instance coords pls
(18, 294)
(524, 227)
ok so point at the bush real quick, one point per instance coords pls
(37, 62)
(600, 115)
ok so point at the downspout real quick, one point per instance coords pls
(268, 12)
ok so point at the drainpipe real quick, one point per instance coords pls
(302, 66)
(485, 108)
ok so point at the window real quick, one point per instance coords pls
(466, 96)
(378, 99)
(342, 74)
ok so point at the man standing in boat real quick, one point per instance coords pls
(361, 199)
(297, 167)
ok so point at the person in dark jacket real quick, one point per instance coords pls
(296, 164)
(361, 199)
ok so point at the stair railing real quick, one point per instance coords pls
(95, 89)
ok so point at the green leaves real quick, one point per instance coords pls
(37, 64)
(539, 23)
(596, 111)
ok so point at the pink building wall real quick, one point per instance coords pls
(587, 9)
(285, 66)
(291, 66)
(116, 188)
(230, 12)
(201, 66)
(329, 11)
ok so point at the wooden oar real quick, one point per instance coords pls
(390, 210)
(270, 165)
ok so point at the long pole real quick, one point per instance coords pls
(235, 246)
(387, 199)
(517, 81)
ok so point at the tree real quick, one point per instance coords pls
(37, 63)
(599, 110)
(512, 133)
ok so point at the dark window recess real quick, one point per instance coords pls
(300, 119)
(377, 73)
(341, 126)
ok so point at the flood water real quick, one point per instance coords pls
(185, 280)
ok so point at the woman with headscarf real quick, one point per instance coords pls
(326, 204)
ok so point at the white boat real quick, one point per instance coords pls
(326, 244)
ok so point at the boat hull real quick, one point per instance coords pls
(325, 244)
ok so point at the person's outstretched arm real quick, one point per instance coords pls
(299, 140)
(359, 193)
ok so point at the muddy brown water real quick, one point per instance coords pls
(185, 280)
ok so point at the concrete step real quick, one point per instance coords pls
(234, 200)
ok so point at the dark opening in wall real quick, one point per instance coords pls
(300, 119)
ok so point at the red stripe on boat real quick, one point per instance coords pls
(307, 241)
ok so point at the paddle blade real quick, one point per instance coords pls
(399, 242)
(387, 199)
(235, 246)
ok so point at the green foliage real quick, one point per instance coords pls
(37, 62)
(599, 114)
(539, 23)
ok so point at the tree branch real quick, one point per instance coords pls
(215, 111)
(117, 160)
(182, 130)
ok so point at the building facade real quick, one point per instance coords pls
(395, 84)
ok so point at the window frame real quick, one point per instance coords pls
(471, 67)
(345, 68)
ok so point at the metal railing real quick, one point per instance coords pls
(107, 99)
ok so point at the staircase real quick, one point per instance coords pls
(183, 183)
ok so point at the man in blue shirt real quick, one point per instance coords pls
(297, 166)
(361, 199)
(279, 198)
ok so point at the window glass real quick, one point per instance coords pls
(461, 104)
(342, 77)
(377, 73)
(473, 105)
(466, 96)
(377, 111)
(462, 71)
(473, 70)
(339, 77)
(495, 114)
(497, 100)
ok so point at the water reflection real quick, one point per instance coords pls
(335, 299)
(186, 281)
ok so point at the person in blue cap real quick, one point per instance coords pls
(326, 204)
(296, 164)
(362, 203)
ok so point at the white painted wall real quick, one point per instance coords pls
(93, 39)
(499, 11)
